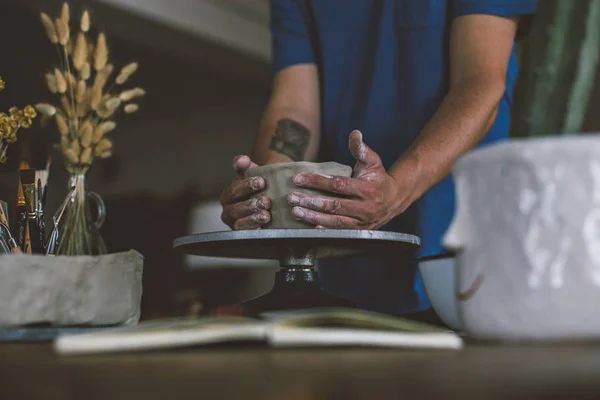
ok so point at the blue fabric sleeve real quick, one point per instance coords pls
(505, 8)
(290, 34)
(494, 7)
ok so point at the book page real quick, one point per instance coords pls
(350, 319)
(351, 327)
(164, 334)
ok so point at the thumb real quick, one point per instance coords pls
(363, 154)
(241, 164)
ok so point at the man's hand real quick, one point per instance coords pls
(240, 211)
(371, 197)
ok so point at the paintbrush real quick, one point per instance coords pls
(27, 239)
(45, 181)
(45, 178)
(20, 220)
(52, 245)
(4, 246)
(10, 241)
(5, 234)
(41, 182)
(4, 213)
(30, 192)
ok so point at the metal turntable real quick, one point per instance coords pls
(296, 284)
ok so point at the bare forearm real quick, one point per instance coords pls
(289, 129)
(286, 134)
(460, 123)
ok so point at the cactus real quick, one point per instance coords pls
(558, 68)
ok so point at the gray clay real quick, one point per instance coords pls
(279, 185)
(69, 291)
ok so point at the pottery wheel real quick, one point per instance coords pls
(296, 285)
(295, 246)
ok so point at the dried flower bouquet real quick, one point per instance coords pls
(88, 99)
(11, 123)
(91, 93)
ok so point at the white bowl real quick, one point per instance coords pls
(439, 279)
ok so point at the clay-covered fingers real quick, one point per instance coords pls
(241, 189)
(242, 207)
(253, 221)
(236, 211)
(322, 220)
(329, 205)
(341, 185)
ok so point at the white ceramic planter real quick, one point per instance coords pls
(527, 231)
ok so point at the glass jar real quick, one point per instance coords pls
(75, 232)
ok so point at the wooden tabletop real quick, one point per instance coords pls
(32, 371)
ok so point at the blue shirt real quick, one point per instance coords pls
(384, 67)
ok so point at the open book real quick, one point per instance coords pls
(303, 328)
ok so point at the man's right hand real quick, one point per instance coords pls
(241, 208)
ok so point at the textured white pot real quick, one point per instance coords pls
(527, 230)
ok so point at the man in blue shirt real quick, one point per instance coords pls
(398, 88)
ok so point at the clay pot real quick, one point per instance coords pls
(528, 240)
(279, 185)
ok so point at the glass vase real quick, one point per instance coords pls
(75, 232)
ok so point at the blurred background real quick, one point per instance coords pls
(206, 67)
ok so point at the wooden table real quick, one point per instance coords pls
(32, 371)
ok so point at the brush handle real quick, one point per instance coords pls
(4, 247)
(42, 233)
(5, 238)
(3, 210)
(20, 226)
(52, 242)
(34, 235)
(27, 240)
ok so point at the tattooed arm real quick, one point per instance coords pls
(289, 130)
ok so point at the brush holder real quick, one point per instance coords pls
(71, 291)
(75, 232)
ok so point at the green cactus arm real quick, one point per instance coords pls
(586, 71)
(558, 69)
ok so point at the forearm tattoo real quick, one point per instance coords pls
(291, 138)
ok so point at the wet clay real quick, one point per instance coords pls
(279, 185)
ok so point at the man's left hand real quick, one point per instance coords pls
(368, 200)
